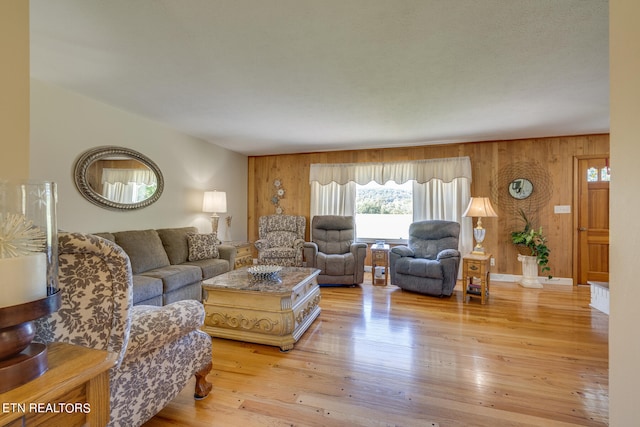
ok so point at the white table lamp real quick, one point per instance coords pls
(214, 202)
(479, 207)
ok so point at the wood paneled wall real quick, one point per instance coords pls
(554, 155)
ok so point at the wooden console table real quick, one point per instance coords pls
(73, 392)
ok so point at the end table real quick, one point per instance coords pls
(478, 266)
(380, 256)
(244, 256)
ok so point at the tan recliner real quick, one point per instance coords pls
(334, 251)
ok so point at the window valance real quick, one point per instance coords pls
(421, 171)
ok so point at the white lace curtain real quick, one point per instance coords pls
(127, 185)
(441, 188)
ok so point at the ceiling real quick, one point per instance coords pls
(282, 76)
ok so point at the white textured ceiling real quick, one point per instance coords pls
(280, 76)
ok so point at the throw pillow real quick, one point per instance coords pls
(202, 246)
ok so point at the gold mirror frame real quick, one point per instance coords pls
(93, 155)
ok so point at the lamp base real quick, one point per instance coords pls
(478, 249)
(25, 366)
(21, 360)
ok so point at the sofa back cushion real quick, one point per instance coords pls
(144, 248)
(175, 243)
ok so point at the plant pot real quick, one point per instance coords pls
(529, 272)
(524, 250)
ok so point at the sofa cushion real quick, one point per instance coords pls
(211, 267)
(175, 243)
(175, 276)
(144, 248)
(146, 288)
(202, 246)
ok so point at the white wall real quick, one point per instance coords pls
(65, 124)
(624, 333)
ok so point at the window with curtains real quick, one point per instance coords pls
(440, 189)
(384, 211)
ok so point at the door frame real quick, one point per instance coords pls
(576, 205)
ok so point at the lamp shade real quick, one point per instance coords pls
(214, 201)
(480, 207)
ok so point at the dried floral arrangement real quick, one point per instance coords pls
(19, 236)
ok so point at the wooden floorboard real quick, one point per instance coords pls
(380, 356)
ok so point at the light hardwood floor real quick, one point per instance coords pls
(380, 356)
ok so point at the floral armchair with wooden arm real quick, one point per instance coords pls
(159, 348)
(281, 238)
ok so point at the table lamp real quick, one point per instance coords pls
(479, 207)
(214, 202)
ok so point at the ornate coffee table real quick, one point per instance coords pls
(265, 312)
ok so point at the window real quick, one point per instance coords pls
(432, 189)
(384, 211)
(605, 174)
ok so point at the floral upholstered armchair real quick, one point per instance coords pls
(159, 349)
(281, 238)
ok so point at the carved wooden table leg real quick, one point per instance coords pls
(203, 387)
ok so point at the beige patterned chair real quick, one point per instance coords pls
(280, 240)
(159, 348)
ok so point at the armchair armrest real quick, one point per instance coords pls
(298, 243)
(261, 244)
(356, 247)
(402, 251)
(310, 253)
(228, 252)
(448, 253)
(152, 327)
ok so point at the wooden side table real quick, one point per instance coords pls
(244, 257)
(73, 392)
(478, 266)
(379, 257)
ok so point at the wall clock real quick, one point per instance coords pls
(520, 188)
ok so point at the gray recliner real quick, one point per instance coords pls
(429, 264)
(334, 252)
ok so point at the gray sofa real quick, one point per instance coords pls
(162, 272)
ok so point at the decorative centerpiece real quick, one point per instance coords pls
(28, 277)
(265, 272)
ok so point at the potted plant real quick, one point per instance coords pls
(531, 242)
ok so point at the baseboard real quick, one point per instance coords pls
(496, 277)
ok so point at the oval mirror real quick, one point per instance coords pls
(118, 178)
